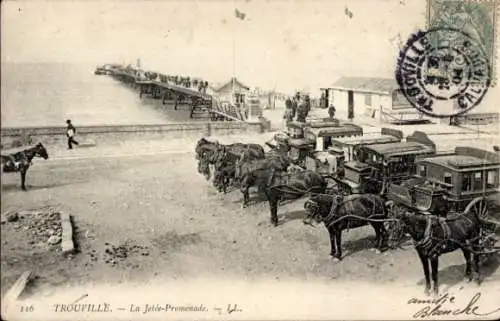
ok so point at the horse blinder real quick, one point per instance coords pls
(312, 209)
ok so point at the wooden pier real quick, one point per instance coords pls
(200, 104)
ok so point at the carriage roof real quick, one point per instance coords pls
(299, 143)
(323, 122)
(295, 124)
(343, 129)
(466, 159)
(400, 149)
(378, 139)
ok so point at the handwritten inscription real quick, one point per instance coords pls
(230, 308)
(446, 305)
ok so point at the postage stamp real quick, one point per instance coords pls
(443, 71)
(478, 19)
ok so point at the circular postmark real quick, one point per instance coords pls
(443, 72)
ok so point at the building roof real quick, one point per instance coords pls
(366, 84)
(236, 82)
(400, 148)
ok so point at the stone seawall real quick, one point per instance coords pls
(13, 137)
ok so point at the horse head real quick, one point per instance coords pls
(219, 156)
(41, 151)
(319, 206)
(203, 167)
(199, 147)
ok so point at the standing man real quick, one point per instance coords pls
(295, 104)
(70, 132)
(331, 111)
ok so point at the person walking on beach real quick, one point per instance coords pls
(70, 133)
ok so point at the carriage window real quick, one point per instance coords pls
(478, 181)
(368, 99)
(327, 142)
(422, 170)
(447, 178)
(466, 182)
(491, 179)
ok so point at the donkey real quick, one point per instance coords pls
(20, 162)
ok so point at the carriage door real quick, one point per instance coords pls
(350, 104)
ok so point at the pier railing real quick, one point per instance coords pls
(478, 119)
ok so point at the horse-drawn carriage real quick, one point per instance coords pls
(303, 139)
(461, 182)
(451, 203)
(375, 166)
(329, 159)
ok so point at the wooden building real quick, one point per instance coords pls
(378, 98)
(233, 92)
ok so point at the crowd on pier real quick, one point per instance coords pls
(187, 82)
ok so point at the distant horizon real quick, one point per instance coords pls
(280, 45)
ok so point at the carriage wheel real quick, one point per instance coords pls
(478, 206)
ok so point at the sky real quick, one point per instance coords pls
(283, 45)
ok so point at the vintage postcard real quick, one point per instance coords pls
(250, 160)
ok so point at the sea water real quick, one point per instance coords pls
(46, 94)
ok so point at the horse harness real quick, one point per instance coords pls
(426, 244)
(16, 160)
(347, 202)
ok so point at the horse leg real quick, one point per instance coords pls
(338, 245)
(378, 236)
(467, 256)
(425, 266)
(246, 196)
(333, 247)
(435, 272)
(273, 204)
(383, 242)
(476, 275)
(23, 180)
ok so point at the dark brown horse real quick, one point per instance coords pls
(279, 185)
(434, 236)
(213, 153)
(20, 162)
(340, 213)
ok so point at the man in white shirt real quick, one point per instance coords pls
(70, 133)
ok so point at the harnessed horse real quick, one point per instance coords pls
(339, 213)
(278, 185)
(214, 153)
(20, 162)
(434, 236)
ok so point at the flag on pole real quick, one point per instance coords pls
(239, 14)
(348, 12)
